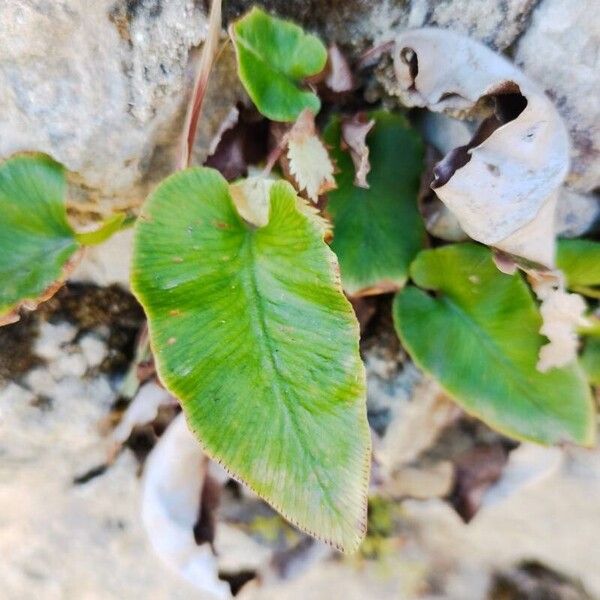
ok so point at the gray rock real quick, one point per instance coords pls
(561, 51)
(576, 213)
(99, 86)
(357, 24)
(495, 23)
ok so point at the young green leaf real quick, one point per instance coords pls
(274, 56)
(36, 241)
(377, 231)
(37, 244)
(579, 260)
(590, 360)
(478, 336)
(252, 333)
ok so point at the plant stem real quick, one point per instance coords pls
(110, 226)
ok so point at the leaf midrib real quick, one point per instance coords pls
(261, 333)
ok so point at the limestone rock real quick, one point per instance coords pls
(59, 523)
(100, 86)
(561, 51)
(357, 24)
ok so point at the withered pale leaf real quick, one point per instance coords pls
(503, 185)
(354, 137)
(562, 313)
(251, 199)
(309, 161)
(174, 476)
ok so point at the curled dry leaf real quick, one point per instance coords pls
(562, 313)
(504, 262)
(438, 219)
(518, 157)
(309, 162)
(241, 142)
(251, 199)
(354, 138)
(173, 482)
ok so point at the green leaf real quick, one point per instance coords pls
(590, 360)
(252, 333)
(377, 231)
(36, 241)
(478, 336)
(579, 260)
(273, 57)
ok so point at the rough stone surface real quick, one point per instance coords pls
(548, 521)
(576, 213)
(56, 535)
(357, 24)
(64, 540)
(561, 51)
(97, 85)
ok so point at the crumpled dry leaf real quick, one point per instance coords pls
(562, 313)
(309, 162)
(439, 220)
(354, 138)
(519, 156)
(173, 481)
(240, 142)
(251, 199)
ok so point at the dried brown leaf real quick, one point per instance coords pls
(240, 144)
(519, 155)
(354, 138)
(309, 161)
(251, 199)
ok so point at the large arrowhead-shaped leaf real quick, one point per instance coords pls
(478, 336)
(274, 56)
(252, 333)
(36, 241)
(377, 231)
